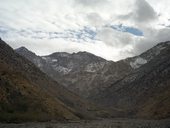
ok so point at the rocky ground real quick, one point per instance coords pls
(116, 123)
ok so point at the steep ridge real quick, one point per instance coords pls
(82, 73)
(27, 94)
(68, 69)
(146, 91)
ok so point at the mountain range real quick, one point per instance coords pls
(133, 84)
(63, 86)
(84, 73)
(27, 94)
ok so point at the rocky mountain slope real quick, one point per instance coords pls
(145, 92)
(82, 73)
(27, 94)
(138, 85)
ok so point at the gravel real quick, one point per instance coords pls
(104, 123)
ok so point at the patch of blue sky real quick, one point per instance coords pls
(132, 30)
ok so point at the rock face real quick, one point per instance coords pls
(145, 92)
(27, 94)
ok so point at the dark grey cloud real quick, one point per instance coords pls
(163, 35)
(155, 36)
(143, 12)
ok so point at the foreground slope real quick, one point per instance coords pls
(28, 94)
(146, 91)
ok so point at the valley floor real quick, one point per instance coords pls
(106, 123)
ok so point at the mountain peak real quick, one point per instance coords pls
(166, 43)
(21, 49)
(88, 55)
(62, 54)
(84, 53)
(26, 53)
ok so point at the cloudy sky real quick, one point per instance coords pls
(112, 29)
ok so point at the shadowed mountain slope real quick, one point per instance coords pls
(146, 91)
(28, 94)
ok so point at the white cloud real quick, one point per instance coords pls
(20, 19)
(91, 3)
(95, 19)
(46, 47)
(114, 38)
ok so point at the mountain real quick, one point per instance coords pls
(82, 73)
(68, 69)
(27, 94)
(30, 55)
(138, 86)
(145, 92)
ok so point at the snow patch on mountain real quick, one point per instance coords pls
(93, 67)
(54, 60)
(61, 69)
(49, 59)
(44, 58)
(138, 62)
(159, 49)
(38, 62)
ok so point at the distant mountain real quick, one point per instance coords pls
(82, 73)
(145, 92)
(65, 63)
(68, 69)
(27, 94)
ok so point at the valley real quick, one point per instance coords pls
(133, 92)
(84, 64)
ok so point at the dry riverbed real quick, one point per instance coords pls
(106, 123)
